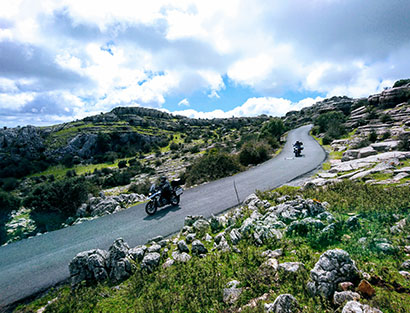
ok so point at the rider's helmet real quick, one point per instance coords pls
(163, 179)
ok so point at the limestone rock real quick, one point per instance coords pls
(198, 248)
(405, 274)
(365, 152)
(182, 246)
(137, 253)
(285, 303)
(223, 245)
(231, 293)
(181, 257)
(118, 262)
(191, 219)
(201, 225)
(346, 286)
(406, 265)
(302, 227)
(341, 297)
(291, 267)
(89, 265)
(270, 266)
(357, 307)
(333, 267)
(150, 261)
(398, 227)
(168, 263)
(154, 248)
(190, 238)
(235, 236)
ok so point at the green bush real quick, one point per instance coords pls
(404, 142)
(174, 146)
(328, 120)
(254, 152)
(9, 184)
(327, 140)
(401, 82)
(211, 166)
(117, 179)
(372, 136)
(122, 164)
(385, 118)
(8, 203)
(272, 131)
(63, 196)
(141, 188)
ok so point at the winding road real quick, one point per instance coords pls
(32, 265)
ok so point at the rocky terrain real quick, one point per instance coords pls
(337, 242)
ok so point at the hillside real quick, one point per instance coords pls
(56, 176)
(336, 241)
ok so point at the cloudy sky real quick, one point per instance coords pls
(65, 59)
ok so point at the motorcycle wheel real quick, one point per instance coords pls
(151, 208)
(175, 200)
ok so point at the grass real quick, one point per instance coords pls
(198, 285)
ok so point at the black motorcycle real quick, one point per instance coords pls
(297, 150)
(156, 200)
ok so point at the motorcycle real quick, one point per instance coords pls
(156, 200)
(297, 150)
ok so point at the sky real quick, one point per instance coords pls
(62, 60)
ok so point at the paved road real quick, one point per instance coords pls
(32, 265)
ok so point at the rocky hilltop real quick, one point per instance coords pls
(124, 131)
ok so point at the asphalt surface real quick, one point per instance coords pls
(32, 265)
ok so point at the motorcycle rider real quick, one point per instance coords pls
(299, 146)
(165, 187)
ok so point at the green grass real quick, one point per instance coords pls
(198, 285)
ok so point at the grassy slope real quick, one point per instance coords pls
(198, 285)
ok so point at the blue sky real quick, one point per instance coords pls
(62, 60)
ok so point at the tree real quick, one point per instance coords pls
(63, 196)
(272, 129)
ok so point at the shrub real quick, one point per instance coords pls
(63, 196)
(141, 188)
(372, 136)
(254, 153)
(328, 119)
(194, 149)
(174, 146)
(385, 118)
(117, 179)
(122, 164)
(404, 142)
(386, 135)
(272, 131)
(71, 173)
(211, 166)
(327, 140)
(9, 184)
(8, 203)
(401, 82)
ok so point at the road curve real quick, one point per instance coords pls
(35, 264)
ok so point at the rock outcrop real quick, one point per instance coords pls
(333, 267)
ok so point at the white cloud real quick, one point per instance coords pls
(253, 107)
(141, 52)
(184, 102)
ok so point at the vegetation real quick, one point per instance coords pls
(401, 82)
(197, 286)
(331, 124)
(213, 165)
(52, 203)
(254, 152)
